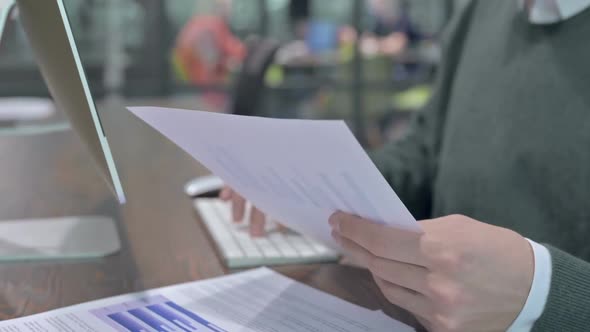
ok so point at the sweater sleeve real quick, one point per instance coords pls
(409, 165)
(568, 304)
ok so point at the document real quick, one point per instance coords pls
(258, 300)
(297, 171)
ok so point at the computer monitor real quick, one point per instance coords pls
(47, 27)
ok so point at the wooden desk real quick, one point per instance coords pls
(163, 240)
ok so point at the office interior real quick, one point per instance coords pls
(318, 72)
(371, 63)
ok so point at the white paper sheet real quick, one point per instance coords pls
(257, 300)
(297, 171)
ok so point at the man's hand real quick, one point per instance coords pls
(459, 275)
(238, 203)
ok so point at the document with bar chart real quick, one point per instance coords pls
(258, 300)
(156, 313)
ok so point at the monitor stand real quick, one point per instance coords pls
(55, 238)
(58, 238)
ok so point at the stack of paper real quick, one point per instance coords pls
(258, 300)
(297, 171)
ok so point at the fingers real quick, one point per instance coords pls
(257, 221)
(413, 302)
(409, 276)
(353, 251)
(225, 194)
(282, 228)
(238, 207)
(381, 240)
(238, 203)
(256, 218)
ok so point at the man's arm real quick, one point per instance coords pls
(410, 164)
(568, 304)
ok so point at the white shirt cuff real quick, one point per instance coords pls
(535, 303)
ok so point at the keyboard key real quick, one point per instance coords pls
(223, 209)
(320, 248)
(247, 245)
(281, 243)
(268, 248)
(300, 245)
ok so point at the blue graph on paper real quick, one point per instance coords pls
(156, 313)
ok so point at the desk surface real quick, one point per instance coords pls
(163, 240)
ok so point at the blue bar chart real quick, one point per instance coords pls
(150, 314)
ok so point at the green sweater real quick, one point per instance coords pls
(505, 139)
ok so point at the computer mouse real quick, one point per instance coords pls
(204, 186)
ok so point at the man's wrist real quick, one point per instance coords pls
(537, 298)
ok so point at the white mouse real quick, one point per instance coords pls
(203, 186)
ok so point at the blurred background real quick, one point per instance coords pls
(369, 62)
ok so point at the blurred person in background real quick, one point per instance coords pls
(390, 32)
(497, 168)
(395, 32)
(299, 16)
(393, 26)
(206, 50)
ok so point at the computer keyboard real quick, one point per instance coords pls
(240, 250)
